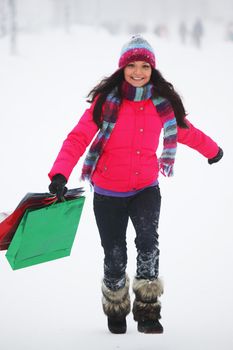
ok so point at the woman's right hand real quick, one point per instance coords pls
(57, 186)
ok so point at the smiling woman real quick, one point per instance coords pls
(128, 112)
(138, 73)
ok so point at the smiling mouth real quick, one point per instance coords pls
(137, 79)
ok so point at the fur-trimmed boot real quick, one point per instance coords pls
(146, 307)
(116, 306)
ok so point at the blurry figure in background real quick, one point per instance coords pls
(112, 27)
(161, 31)
(197, 32)
(128, 112)
(229, 31)
(183, 32)
(137, 28)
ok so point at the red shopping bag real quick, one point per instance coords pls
(30, 201)
(11, 222)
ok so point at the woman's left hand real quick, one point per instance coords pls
(217, 157)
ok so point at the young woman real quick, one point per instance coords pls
(129, 110)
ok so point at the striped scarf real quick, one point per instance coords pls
(110, 114)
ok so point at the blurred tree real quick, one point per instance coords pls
(12, 26)
(62, 13)
(3, 27)
(67, 15)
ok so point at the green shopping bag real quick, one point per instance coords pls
(45, 234)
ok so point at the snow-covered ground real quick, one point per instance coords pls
(57, 305)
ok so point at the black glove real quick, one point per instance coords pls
(217, 157)
(57, 186)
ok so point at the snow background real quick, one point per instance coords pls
(57, 305)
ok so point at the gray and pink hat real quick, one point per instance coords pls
(137, 49)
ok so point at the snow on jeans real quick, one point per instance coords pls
(112, 215)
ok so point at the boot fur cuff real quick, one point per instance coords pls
(117, 311)
(116, 304)
(118, 295)
(146, 311)
(147, 291)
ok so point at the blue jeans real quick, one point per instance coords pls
(112, 215)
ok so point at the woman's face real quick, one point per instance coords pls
(137, 73)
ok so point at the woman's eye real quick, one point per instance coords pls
(146, 66)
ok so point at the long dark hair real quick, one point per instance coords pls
(162, 88)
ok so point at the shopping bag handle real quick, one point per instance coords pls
(59, 200)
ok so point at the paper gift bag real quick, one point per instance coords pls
(45, 234)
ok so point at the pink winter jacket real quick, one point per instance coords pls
(129, 160)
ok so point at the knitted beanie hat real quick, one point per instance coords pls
(137, 49)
